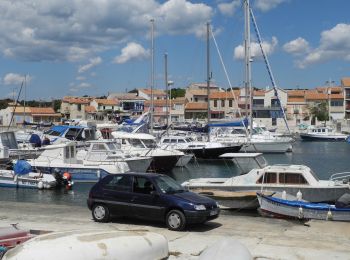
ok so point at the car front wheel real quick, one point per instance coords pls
(100, 213)
(175, 220)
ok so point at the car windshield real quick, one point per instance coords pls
(168, 185)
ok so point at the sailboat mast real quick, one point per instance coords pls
(152, 74)
(248, 76)
(208, 74)
(166, 87)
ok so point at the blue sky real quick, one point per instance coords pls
(93, 47)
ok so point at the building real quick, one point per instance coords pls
(224, 104)
(177, 109)
(102, 105)
(16, 115)
(345, 84)
(146, 93)
(74, 107)
(129, 102)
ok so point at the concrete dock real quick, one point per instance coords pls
(264, 237)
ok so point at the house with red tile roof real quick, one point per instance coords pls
(20, 114)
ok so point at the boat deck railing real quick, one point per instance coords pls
(343, 177)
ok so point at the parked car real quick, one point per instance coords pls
(149, 196)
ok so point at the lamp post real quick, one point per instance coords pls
(330, 83)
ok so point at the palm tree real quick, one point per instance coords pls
(319, 111)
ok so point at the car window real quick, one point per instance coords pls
(119, 183)
(142, 185)
(168, 185)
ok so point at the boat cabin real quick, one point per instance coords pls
(74, 133)
(135, 140)
(65, 153)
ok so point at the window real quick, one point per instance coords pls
(120, 183)
(79, 107)
(166, 141)
(173, 141)
(215, 103)
(270, 177)
(98, 147)
(181, 141)
(274, 121)
(142, 185)
(337, 103)
(72, 152)
(195, 99)
(230, 103)
(66, 152)
(292, 178)
(222, 103)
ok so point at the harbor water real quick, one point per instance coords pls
(324, 158)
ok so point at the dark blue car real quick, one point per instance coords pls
(149, 196)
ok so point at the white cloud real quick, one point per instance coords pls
(255, 49)
(334, 44)
(297, 46)
(93, 62)
(15, 79)
(230, 8)
(266, 5)
(132, 51)
(74, 30)
(80, 78)
(83, 85)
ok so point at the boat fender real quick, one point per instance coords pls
(40, 185)
(329, 215)
(299, 195)
(300, 213)
(284, 195)
(15, 178)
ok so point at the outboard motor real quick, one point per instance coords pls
(67, 180)
(64, 179)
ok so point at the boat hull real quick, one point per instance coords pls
(163, 164)
(212, 152)
(312, 194)
(302, 210)
(268, 147)
(311, 137)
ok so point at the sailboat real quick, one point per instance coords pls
(209, 149)
(252, 140)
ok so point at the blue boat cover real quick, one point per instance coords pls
(306, 205)
(22, 167)
(243, 122)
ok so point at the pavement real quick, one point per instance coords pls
(265, 238)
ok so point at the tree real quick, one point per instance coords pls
(177, 92)
(319, 111)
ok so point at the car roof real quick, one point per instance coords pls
(146, 174)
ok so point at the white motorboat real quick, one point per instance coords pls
(201, 149)
(323, 133)
(263, 142)
(108, 152)
(64, 158)
(279, 178)
(140, 144)
(20, 175)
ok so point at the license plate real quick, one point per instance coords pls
(213, 212)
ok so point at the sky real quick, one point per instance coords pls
(96, 47)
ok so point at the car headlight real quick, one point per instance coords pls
(199, 207)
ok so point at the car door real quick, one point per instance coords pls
(117, 194)
(146, 202)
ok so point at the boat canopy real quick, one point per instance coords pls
(243, 122)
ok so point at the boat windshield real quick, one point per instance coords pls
(168, 185)
(52, 132)
(136, 143)
(149, 143)
(112, 146)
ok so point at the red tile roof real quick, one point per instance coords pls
(90, 109)
(196, 106)
(224, 95)
(316, 96)
(156, 92)
(345, 82)
(42, 110)
(107, 102)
